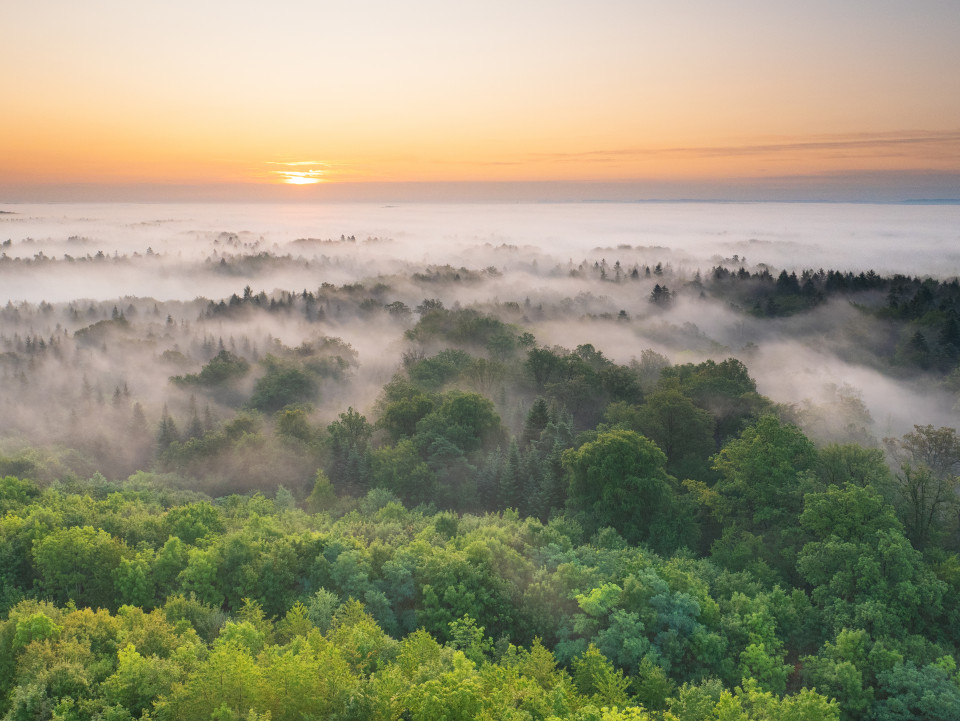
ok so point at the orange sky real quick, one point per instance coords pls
(113, 94)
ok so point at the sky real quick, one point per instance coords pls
(497, 99)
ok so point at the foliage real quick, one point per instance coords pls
(505, 537)
(619, 480)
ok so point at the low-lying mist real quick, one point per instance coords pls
(111, 313)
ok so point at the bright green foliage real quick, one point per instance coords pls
(36, 627)
(694, 702)
(15, 493)
(361, 641)
(843, 671)
(766, 667)
(77, 564)
(761, 480)
(596, 678)
(752, 704)
(194, 521)
(863, 570)
(260, 610)
(133, 582)
(467, 637)
(600, 601)
(139, 680)
(199, 578)
(169, 561)
(322, 497)
(764, 474)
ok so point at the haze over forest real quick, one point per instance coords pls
(485, 361)
(403, 453)
(561, 272)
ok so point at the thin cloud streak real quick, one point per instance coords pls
(876, 143)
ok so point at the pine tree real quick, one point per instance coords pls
(529, 482)
(536, 421)
(553, 488)
(209, 422)
(509, 489)
(194, 427)
(167, 433)
(488, 479)
(138, 422)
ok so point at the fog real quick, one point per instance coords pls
(570, 274)
(909, 239)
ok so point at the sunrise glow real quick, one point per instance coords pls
(802, 96)
(292, 177)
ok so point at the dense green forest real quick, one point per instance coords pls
(650, 540)
(420, 494)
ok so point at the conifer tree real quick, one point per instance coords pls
(510, 478)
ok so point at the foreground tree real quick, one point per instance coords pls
(619, 480)
(927, 483)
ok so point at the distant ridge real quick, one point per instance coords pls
(745, 201)
(932, 201)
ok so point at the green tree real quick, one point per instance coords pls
(294, 423)
(223, 368)
(927, 483)
(349, 437)
(619, 480)
(838, 464)
(139, 680)
(401, 470)
(724, 389)
(841, 670)
(764, 474)
(908, 692)
(595, 677)
(864, 572)
(468, 421)
(433, 373)
(322, 497)
(537, 419)
(283, 384)
(77, 564)
(681, 430)
(402, 407)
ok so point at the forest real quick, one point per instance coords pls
(519, 487)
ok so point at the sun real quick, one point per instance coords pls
(301, 177)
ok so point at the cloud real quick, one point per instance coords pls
(874, 143)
